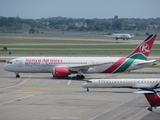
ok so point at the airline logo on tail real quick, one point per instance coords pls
(143, 50)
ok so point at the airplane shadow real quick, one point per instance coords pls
(51, 78)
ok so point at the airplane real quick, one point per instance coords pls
(121, 36)
(62, 67)
(153, 99)
(122, 83)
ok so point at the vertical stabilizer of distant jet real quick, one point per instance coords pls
(153, 99)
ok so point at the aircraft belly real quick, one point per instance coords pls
(92, 70)
(116, 85)
(98, 69)
(144, 85)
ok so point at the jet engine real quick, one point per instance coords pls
(60, 72)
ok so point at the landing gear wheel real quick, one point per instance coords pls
(87, 90)
(17, 76)
(80, 77)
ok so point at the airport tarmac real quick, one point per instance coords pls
(42, 97)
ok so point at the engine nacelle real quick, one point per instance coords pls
(60, 72)
(154, 109)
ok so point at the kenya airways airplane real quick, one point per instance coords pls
(61, 67)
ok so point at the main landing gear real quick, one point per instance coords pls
(17, 76)
(81, 77)
(87, 89)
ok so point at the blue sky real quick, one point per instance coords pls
(80, 8)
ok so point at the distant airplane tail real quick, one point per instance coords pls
(143, 50)
(153, 99)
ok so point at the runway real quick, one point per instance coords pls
(41, 97)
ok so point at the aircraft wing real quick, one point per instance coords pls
(146, 62)
(86, 67)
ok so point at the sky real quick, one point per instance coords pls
(88, 9)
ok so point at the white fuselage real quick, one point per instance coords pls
(46, 64)
(121, 83)
(122, 36)
(154, 109)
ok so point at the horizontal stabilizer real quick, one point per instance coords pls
(145, 62)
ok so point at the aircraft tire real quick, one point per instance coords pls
(17, 76)
(87, 90)
(80, 77)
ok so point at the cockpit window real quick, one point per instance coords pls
(9, 62)
(89, 81)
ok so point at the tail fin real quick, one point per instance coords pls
(143, 50)
(153, 99)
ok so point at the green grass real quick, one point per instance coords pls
(10, 41)
(86, 46)
(74, 52)
(38, 44)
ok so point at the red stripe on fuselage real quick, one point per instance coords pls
(112, 68)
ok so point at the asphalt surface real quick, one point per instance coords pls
(42, 97)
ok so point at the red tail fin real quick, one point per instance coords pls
(143, 50)
(153, 99)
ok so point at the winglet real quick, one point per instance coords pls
(143, 50)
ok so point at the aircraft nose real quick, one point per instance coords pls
(5, 67)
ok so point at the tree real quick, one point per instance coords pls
(32, 30)
(117, 24)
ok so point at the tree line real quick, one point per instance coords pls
(13, 24)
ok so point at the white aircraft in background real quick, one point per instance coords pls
(153, 99)
(61, 67)
(121, 36)
(122, 83)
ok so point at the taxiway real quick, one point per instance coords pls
(41, 97)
